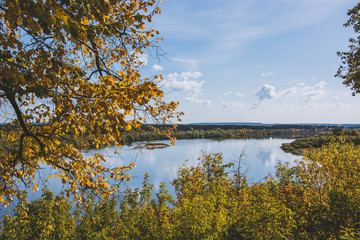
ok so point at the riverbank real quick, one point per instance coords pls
(299, 146)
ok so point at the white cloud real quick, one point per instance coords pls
(266, 92)
(313, 95)
(239, 94)
(195, 99)
(313, 92)
(181, 82)
(187, 75)
(267, 74)
(289, 91)
(232, 104)
(321, 84)
(157, 68)
(184, 82)
(307, 93)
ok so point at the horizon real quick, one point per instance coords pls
(274, 123)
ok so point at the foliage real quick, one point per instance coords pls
(69, 68)
(317, 198)
(324, 189)
(99, 219)
(46, 218)
(298, 146)
(350, 68)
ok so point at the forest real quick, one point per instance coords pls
(300, 145)
(186, 131)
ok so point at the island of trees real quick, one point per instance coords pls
(315, 142)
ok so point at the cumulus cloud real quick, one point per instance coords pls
(181, 82)
(313, 92)
(267, 74)
(228, 93)
(289, 91)
(303, 91)
(266, 92)
(185, 82)
(157, 68)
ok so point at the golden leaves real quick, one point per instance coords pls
(75, 71)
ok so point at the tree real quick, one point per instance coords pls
(70, 67)
(350, 68)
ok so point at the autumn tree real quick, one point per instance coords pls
(70, 67)
(350, 68)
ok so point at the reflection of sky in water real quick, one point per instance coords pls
(268, 158)
(162, 164)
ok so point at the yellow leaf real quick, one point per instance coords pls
(85, 21)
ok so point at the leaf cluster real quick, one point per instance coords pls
(68, 68)
(350, 60)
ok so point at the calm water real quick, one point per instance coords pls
(162, 164)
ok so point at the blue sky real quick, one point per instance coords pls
(270, 61)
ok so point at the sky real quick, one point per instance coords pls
(268, 61)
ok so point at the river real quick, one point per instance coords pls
(261, 157)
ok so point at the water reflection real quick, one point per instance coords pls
(162, 164)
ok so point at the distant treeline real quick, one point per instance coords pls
(187, 131)
(158, 132)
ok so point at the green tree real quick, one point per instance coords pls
(350, 68)
(45, 218)
(322, 190)
(70, 68)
